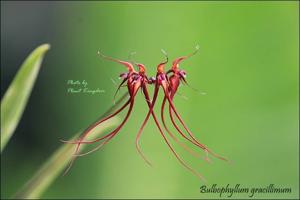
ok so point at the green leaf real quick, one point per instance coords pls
(43, 178)
(16, 97)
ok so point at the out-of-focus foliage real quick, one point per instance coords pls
(247, 65)
(16, 97)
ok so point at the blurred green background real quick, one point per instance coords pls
(247, 66)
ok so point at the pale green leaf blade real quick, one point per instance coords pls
(16, 97)
(43, 178)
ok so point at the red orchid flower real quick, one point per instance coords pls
(160, 80)
(135, 81)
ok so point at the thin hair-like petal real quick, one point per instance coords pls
(187, 129)
(150, 105)
(111, 135)
(173, 136)
(171, 148)
(90, 128)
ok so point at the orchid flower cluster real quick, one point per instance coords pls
(168, 82)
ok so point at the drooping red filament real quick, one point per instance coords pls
(111, 134)
(167, 142)
(170, 90)
(89, 129)
(133, 85)
(150, 105)
(172, 135)
(108, 136)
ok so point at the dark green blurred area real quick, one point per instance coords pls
(247, 66)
